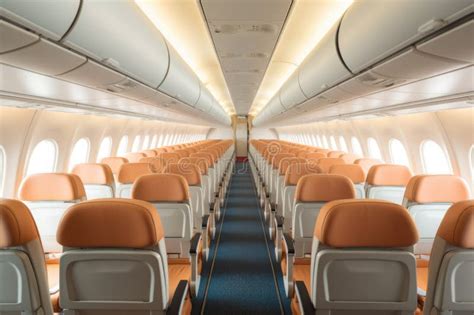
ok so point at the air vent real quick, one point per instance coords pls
(373, 79)
(121, 86)
(243, 71)
(243, 28)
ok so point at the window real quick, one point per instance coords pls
(43, 158)
(161, 140)
(167, 137)
(333, 143)
(153, 141)
(356, 148)
(343, 144)
(318, 141)
(123, 144)
(136, 144)
(374, 150)
(105, 149)
(398, 154)
(434, 158)
(80, 152)
(471, 158)
(325, 142)
(2, 169)
(146, 142)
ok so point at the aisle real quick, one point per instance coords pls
(242, 272)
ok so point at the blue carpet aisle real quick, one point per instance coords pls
(242, 276)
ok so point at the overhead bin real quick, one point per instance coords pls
(205, 100)
(133, 45)
(274, 106)
(291, 93)
(43, 57)
(132, 89)
(453, 44)
(322, 68)
(180, 81)
(93, 74)
(51, 18)
(372, 30)
(13, 37)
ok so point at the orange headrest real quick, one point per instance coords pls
(94, 173)
(326, 163)
(296, 171)
(389, 175)
(114, 162)
(170, 157)
(354, 172)
(131, 171)
(182, 153)
(204, 155)
(149, 153)
(315, 155)
(161, 188)
(52, 187)
(335, 154)
(365, 223)
(278, 157)
(286, 162)
(191, 172)
(367, 163)
(349, 158)
(323, 188)
(200, 162)
(157, 164)
(457, 227)
(134, 157)
(436, 188)
(110, 223)
(17, 226)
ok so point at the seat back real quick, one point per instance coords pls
(362, 259)
(293, 174)
(24, 283)
(355, 173)
(169, 194)
(114, 259)
(115, 163)
(367, 163)
(387, 182)
(427, 198)
(450, 273)
(127, 175)
(48, 196)
(192, 174)
(349, 158)
(313, 192)
(134, 157)
(282, 168)
(97, 178)
(157, 164)
(203, 165)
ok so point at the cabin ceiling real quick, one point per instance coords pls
(245, 34)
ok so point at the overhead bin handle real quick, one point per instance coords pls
(431, 25)
(111, 62)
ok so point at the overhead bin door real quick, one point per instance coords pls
(322, 68)
(13, 37)
(291, 93)
(117, 33)
(50, 18)
(205, 100)
(180, 81)
(372, 30)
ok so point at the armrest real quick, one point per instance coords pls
(205, 221)
(179, 297)
(290, 247)
(279, 219)
(195, 243)
(304, 300)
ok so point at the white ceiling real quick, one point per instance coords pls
(245, 34)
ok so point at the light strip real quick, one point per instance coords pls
(307, 24)
(182, 24)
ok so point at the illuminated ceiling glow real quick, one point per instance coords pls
(307, 24)
(183, 26)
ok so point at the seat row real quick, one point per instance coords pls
(294, 190)
(183, 197)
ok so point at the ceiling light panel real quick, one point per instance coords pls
(183, 26)
(245, 33)
(308, 22)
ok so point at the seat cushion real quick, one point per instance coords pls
(302, 271)
(178, 269)
(53, 274)
(422, 274)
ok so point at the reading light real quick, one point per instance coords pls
(307, 24)
(182, 24)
